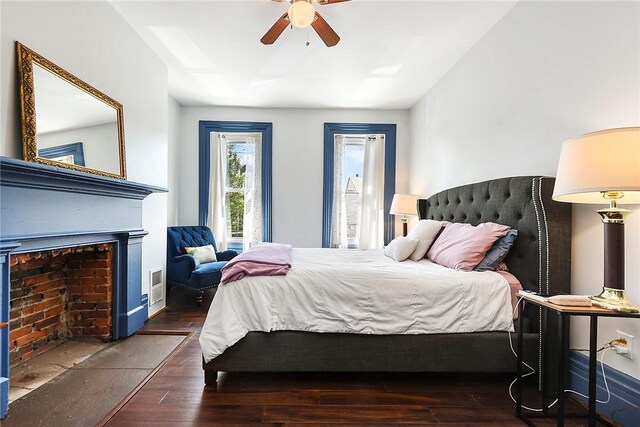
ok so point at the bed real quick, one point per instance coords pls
(540, 259)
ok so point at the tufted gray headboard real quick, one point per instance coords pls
(541, 256)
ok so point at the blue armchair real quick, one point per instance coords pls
(182, 268)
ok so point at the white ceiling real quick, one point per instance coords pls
(390, 53)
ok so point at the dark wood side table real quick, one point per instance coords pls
(564, 313)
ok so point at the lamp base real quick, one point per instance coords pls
(614, 299)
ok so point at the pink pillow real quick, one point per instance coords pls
(463, 246)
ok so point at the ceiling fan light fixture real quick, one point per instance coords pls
(301, 13)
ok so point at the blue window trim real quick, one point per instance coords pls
(389, 132)
(74, 149)
(266, 129)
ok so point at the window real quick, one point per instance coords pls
(346, 210)
(350, 185)
(68, 153)
(235, 182)
(239, 183)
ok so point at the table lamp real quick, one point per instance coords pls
(404, 204)
(604, 168)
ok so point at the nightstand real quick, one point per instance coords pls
(563, 314)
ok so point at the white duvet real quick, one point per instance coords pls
(352, 291)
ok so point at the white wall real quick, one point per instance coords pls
(174, 162)
(298, 136)
(92, 41)
(547, 72)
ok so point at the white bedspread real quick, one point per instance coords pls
(352, 291)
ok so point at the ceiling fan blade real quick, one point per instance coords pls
(275, 31)
(326, 33)
(330, 1)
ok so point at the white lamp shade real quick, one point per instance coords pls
(301, 13)
(597, 162)
(404, 204)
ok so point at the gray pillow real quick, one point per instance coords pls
(498, 252)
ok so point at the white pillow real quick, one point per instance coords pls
(425, 231)
(202, 254)
(400, 248)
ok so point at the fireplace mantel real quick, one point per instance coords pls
(44, 207)
(19, 173)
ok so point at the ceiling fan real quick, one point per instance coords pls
(301, 14)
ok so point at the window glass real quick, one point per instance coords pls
(352, 168)
(240, 154)
(235, 215)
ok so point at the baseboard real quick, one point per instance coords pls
(624, 406)
(157, 312)
(132, 320)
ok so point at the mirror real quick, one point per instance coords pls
(66, 122)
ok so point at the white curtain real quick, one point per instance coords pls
(252, 231)
(338, 214)
(217, 221)
(371, 222)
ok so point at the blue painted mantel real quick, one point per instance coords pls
(44, 207)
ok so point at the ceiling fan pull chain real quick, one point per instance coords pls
(307, 36)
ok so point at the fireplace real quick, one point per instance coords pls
(48, 214)
(59, 294)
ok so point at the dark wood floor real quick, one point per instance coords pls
(177, 396)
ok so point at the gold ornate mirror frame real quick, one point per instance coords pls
(26, 60)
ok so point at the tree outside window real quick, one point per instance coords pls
(238, 154)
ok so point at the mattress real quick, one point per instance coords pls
(352, 291)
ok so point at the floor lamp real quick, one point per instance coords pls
(604, 168)
(404, 204)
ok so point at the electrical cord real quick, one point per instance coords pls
(606, 348)
(604, 377)
(528, 374)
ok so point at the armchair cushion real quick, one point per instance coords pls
(208, 273)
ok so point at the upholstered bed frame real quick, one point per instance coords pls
(540, 259)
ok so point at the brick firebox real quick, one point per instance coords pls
(59, 294)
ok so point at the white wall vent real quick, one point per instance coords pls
(155, 281)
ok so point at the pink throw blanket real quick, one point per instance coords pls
(265, 259)
(515, 286)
